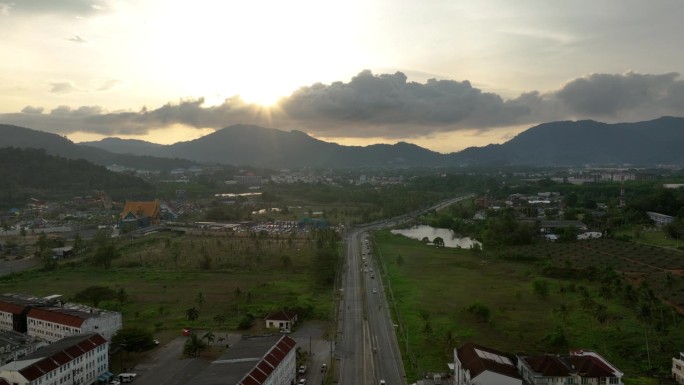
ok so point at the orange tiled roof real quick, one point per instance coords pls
(142, 209)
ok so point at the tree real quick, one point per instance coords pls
(192, 314)
(209, 337)
(105, 254)
(193, 346)
(541, 288)
(134, 339)
(200, 300)
(121, 295)
(220, 319)
(438, 241)
(95, 294)
(480, 311)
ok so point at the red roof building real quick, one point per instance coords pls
(478, 364)
(83, 356)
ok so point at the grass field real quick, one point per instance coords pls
(164, 274)
(433, 289)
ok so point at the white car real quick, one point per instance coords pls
(375, 291)
(302, 381)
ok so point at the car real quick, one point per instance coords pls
(156, 342)
(302, 381)
(372, 276)
(382, 382)
(114, 382)
(302, 369)
(375, 291)
(324, 367)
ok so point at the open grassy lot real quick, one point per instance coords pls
(660, 268)
(224, 277)
(445, 297)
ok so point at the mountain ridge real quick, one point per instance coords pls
(560, 143)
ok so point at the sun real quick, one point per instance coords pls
(263, 97)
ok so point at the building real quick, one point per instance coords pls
(54, 323)
(258, 360)
(13, 310)
(660, 220)
(579, 367)
(475, 364)
(678, 368)
(15, 345)
(281, 319)
(140, 214)
(50, 319)
(79, 359)
(248, 180)
(592, 369)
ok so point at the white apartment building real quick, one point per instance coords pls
(79, 359)
(54, 323)
(678, 368)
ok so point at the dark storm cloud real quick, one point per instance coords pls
(606, 95)
(76, 7)
(387, 106)
(384, 100)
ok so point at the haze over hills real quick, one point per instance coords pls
(566, 143)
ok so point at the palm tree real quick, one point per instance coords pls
(209, 337)
(193, 346)
(220, 319)
(192, 314)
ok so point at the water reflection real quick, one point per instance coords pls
(450, 239)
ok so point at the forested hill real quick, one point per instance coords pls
(31, 173)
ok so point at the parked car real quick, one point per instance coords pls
(302, 369)
(324, 367)
(302, 381)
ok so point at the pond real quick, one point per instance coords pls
(450, 239)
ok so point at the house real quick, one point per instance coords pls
(592, 369)
(79, 359)
(140, 214)
(678, 368)
(579, 367)
(545, 369)
(475, 364)
(257, 360)
(282, 319)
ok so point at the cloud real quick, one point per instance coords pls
(108, 85)
(77, 39)
(62, 88)
(78, 7)
(385, 105)
(32, 110)
(607, 95)
(5, 9)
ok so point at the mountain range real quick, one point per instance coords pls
(564, 143)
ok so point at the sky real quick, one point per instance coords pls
(443, 74)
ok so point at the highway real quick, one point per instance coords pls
(367, 350)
